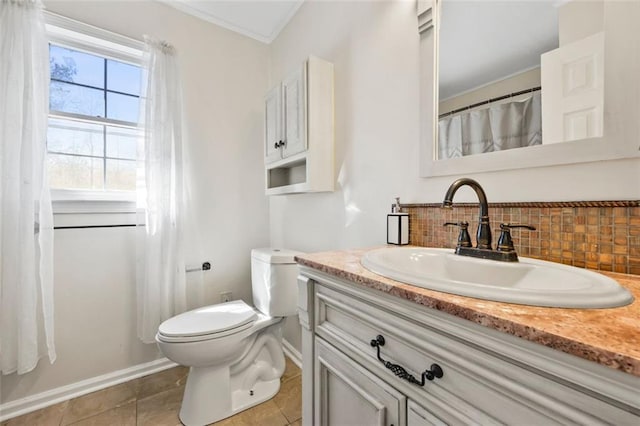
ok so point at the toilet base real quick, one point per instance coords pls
(217, 405)
(217, 392)
(243, 400)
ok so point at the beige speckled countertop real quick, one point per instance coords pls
(607, 336)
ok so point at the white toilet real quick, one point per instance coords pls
(234, 351)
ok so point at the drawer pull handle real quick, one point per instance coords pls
(434, 372)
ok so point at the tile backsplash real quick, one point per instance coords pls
(603, 235)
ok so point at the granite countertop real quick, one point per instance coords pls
(609, 337)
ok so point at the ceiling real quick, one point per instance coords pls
(480, 41)
(259, 19)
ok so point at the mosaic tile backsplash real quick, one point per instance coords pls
(602, 235)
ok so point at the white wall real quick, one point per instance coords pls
(224, 79)
(374, 47)
(579, 19)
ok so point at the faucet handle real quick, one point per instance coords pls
(505, 243)
(464, 240)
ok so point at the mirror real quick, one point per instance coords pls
(503, 42)
(491, 98)
(570, 49)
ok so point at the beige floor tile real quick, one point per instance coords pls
(161, 409)
(49, 416)
(289, 399)
(121, 416)
(160, 382)
(98, 402)
(159, 397)
(290, 371)
(265, 414)
(296, 423)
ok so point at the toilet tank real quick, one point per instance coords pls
(274, 276)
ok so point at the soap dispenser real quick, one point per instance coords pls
(397, 225)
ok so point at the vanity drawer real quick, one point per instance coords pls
(477, 386)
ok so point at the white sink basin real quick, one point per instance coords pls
(527, 282)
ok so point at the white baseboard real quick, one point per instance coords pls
(292, 353)
(44, 399)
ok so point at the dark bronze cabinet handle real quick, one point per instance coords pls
(434, 372)
(278, 144)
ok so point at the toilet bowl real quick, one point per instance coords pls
(234, 351)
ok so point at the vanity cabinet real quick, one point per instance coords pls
(299, 136)
(349, 395)
(489, 377)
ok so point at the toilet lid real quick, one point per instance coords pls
(209, 320)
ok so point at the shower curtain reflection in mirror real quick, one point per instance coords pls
(497, 127)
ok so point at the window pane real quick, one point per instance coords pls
(123, 77)
(122, 107)
(76, 67)
(122, 143)
(73, 137)
(67, 97)
(121, 175)
(71, 172)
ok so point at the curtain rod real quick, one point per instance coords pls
(488, 101)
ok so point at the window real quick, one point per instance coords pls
(92, 136)
(94, 102)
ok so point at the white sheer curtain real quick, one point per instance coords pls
(502, 126)
(161, 267)
(26, 220)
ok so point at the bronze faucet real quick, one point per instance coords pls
(505, 250)
(483, 235)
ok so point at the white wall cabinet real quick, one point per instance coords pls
(294, 113)
(489, 377)
(273, 125)
(285, 118)
(299, 135)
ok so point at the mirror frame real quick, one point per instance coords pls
(621, 125)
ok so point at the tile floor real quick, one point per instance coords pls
(155, 401)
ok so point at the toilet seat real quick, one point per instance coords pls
(209, 322)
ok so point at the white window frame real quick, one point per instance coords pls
(76, 35)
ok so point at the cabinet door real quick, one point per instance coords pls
(294, 110)
(273, 124)
(348, 394)
(418, 416)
